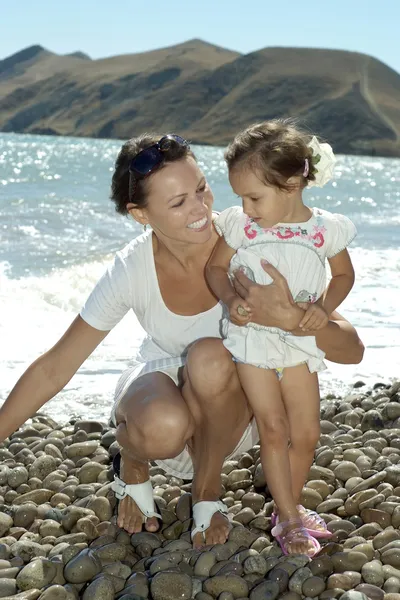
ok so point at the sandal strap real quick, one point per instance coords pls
(203, 512)
(141, 494)
(312, 514)
(291, 531)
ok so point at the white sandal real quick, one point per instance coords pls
(203, 512)
(141, 493)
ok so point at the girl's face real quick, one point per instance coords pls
(179, 203)
(265, 204)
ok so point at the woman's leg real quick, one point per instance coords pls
(301, 398)
(153, 422)
(221, 414)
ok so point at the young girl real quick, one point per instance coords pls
(269, 166)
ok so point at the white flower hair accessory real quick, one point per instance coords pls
(323, 162)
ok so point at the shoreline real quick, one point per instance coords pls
(59, 540)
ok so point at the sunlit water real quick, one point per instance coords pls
(58, 231)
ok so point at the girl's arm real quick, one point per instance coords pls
(341, 283)
(48, 375)
(316, 315)
(220, 283)
(217, 271)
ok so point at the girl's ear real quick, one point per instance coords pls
(294, 184)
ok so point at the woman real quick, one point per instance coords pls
(182, 405)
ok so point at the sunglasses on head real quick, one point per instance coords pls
(150, 159)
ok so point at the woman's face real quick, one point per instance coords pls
(179, 203)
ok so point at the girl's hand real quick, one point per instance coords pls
(315, 318)
(239, 311)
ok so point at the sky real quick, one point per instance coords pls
(103, 28)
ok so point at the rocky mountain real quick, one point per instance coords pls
(205, 93)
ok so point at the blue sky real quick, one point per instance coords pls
(105, 28)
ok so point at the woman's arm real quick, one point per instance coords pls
(273, 306)
(339, 340)
(48, 375)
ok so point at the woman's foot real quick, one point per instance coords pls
(293, 538)
(130, 517)
(216, 533)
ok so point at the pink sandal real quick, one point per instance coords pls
(312, 522)
(286, 536)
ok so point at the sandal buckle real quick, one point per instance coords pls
(118, 487)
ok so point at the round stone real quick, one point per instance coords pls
(5, 523)
(99, 589)
(36, 574)
(82, 567)
(204, 564)
(313, 586)
(255, 564)
(42, 466)
(347, 469)
(169, 586)
(8, 587)
(267, 590)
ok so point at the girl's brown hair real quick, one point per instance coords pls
(277, 150)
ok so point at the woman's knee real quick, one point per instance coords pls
(158, 428)
(210, 367)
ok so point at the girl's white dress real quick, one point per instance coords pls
(299, 251)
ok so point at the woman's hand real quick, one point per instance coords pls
(271, 305)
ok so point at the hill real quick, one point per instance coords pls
(205, 93)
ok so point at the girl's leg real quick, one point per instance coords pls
(301, 398)
(263, 391)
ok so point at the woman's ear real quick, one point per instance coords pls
(139, 214)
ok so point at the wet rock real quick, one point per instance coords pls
(267, 590)
(5, 523)
(27, 550)
(313, 586)
(169, 586)
(82, 567)
(36, 575)
(99, 589)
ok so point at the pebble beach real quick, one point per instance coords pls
(59, 539)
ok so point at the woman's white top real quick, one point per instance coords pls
(131, 283)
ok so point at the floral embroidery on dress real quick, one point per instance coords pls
(285, 232)
(250, 233)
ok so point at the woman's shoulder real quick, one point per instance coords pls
(136, 250)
